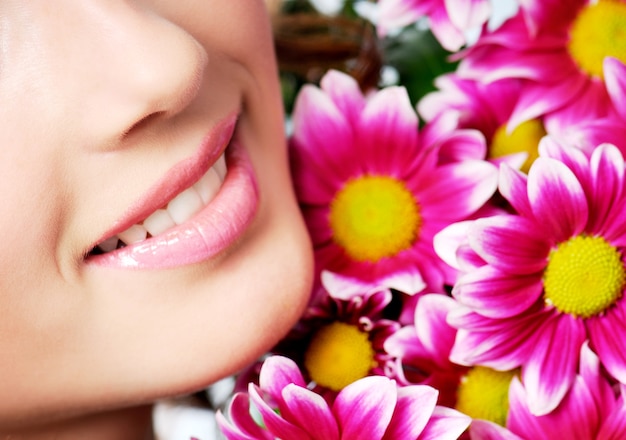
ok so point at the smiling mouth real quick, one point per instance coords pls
(193, 213)
(178, 211)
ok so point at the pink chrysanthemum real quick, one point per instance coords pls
(372, 408)
(559, 46)
(611, 129)
(553, 274)
(486, 107)
(341, 338)
(371, 189)
(422, 350)
(591, 410)
(448, 19)
(423, 357)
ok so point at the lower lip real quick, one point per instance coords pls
(207, 234)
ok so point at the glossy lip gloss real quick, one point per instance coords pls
(209, 232)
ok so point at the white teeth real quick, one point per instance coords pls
(158, 222)
(133, 234)
(108, 245)
(208, 186)
(185, 205)
(179, 210)
(220, 167)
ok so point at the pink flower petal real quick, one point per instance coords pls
(365, 407)
(614, 426)
(431, 326)
(387, 133)
(538, 99)
(309, 409)
(549, 372)
(466, 14)
(596, 380)
(615, 80)
(445, 424)
(557, 199)
(345, 93)
(610, 349)
(242, 426)
(607, 170)
(413, 410)
(485, 430)
(276, 373)
(576, 417)
(448, 35)
(273, 421)
(448, 241)
(513, 187)
(510, 243)
(495, 294)
(501, 344)
(457, 190)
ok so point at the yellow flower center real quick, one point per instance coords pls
(584, 277)
(484, 394)
(523, 139)
(373, 217)
(598, 31)
(338, 355)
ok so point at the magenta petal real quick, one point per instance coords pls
(520, 420)
(273, 421)
(239, 412)
(413, 410)
(510, 243)
(468, 14)
(365, 407)
(485, 430)
(538, 99)
(607, 168)
(513, 187)
(574, 158)
(549, 372)
(309, 409)
(495, 294)
(596, 380)
(345, 93)
(457, 190)
(276, 373)
(611, 349)
(575, 418)
(448, 241)
(557, 199)
(387, 134)
(431, 325)
(448, 35)
(445, 424)
(242, 426)
(614, 426)
(615, 80)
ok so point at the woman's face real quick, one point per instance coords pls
(118, 284)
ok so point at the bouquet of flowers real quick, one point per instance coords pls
(469, 233)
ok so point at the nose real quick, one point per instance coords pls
(121, 65)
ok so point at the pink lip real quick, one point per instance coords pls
(211, 230)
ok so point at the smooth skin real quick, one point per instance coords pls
(100, 99)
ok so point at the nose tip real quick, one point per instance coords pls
(147, 68)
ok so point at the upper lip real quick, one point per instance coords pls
(178, 178)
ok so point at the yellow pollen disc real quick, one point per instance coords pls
(484, 394)
(373, 217)
(598, 31)
(523, 139)
(338, 355)
(584, 277)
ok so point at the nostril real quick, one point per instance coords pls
(143, 122)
